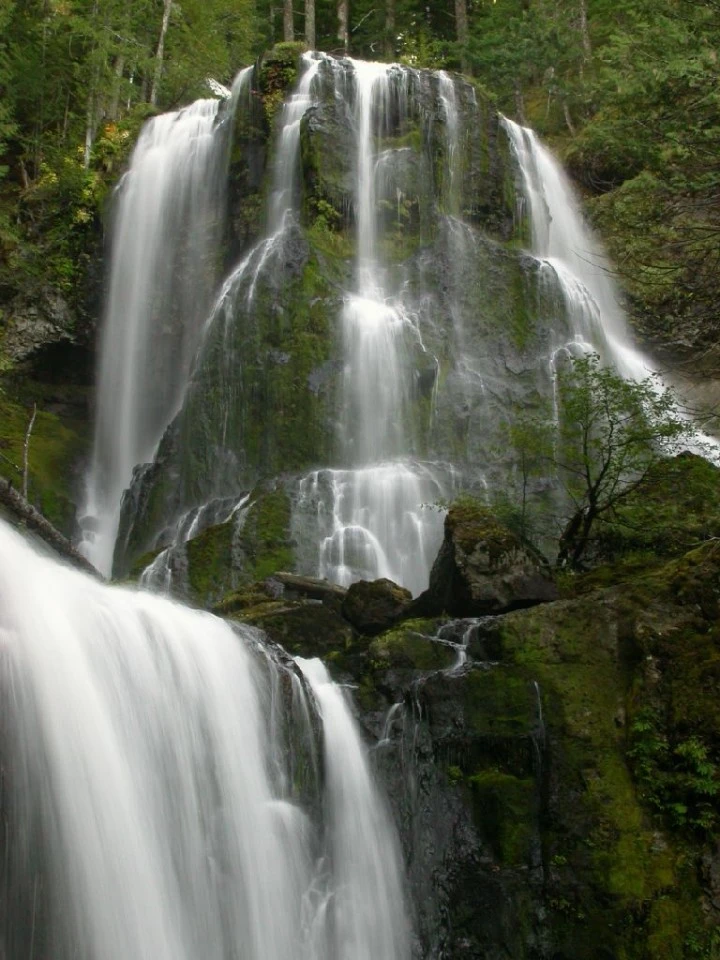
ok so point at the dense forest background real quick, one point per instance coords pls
(627, 91)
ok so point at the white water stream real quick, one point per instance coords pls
(376, 516)
(573, 258)
(162, 271)
(158, 803)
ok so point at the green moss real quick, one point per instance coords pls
(142, 563)
(330, 241)
(265, 537)
(53, 452)
(224, 558)
(499, 702)
(304, 629)
(471, 522)
(412, 645)
(503, 807)
(278, 73)
(209, 557)
(411, 138)
(597, 823)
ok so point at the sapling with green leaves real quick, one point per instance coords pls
(611, 434)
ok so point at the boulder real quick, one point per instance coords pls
(372, 606)
(482, 568)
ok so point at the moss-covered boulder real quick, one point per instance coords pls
(483, 568)
(373, 606)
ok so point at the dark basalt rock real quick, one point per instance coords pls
(374, 606)
(482, 568)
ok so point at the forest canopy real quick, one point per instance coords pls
(628, 92)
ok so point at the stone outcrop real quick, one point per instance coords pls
(483, 568)
(536, 819)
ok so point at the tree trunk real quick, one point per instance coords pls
(568, 118)
(288, 22)
(461, 27)
(389, 43)
(91, 113)
(343, 12)
(114, 111)
(160, 52)
(576, 537)
(520, 105)
(26, 451)
(584, 31)
(310, 23)
(89, 129)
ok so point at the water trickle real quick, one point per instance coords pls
(160, 574)
(448, 98)
(162, 785)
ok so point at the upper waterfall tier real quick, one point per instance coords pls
(381, 324)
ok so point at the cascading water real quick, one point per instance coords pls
(572, 257)
(163, 264)
(364, 851)
(373, 522)
(162, 798)
(387, 311)
(380, 506)
(233, 308)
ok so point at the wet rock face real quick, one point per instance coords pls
(373, 606)
(483, 568)
(36, 322)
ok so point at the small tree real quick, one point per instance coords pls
(611, 433)
(517, 504)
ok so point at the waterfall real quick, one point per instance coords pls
(162, 789)
(573, 258)
(381, 501)
(372, 522)
(448, 98)
(163, 260)
(379, 330)
(364, 851)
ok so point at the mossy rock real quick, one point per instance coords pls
(504, 810)
(210, 563)
(304, 628)
(610, 858)
(483, 568)
(373, 606)
(278, 74)
(265, 536)
(412, 645)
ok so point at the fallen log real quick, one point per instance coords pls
(33, 520)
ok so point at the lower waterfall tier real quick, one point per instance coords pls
(170, 789)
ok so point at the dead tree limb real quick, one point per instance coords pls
(36, 522)
(26, 451)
